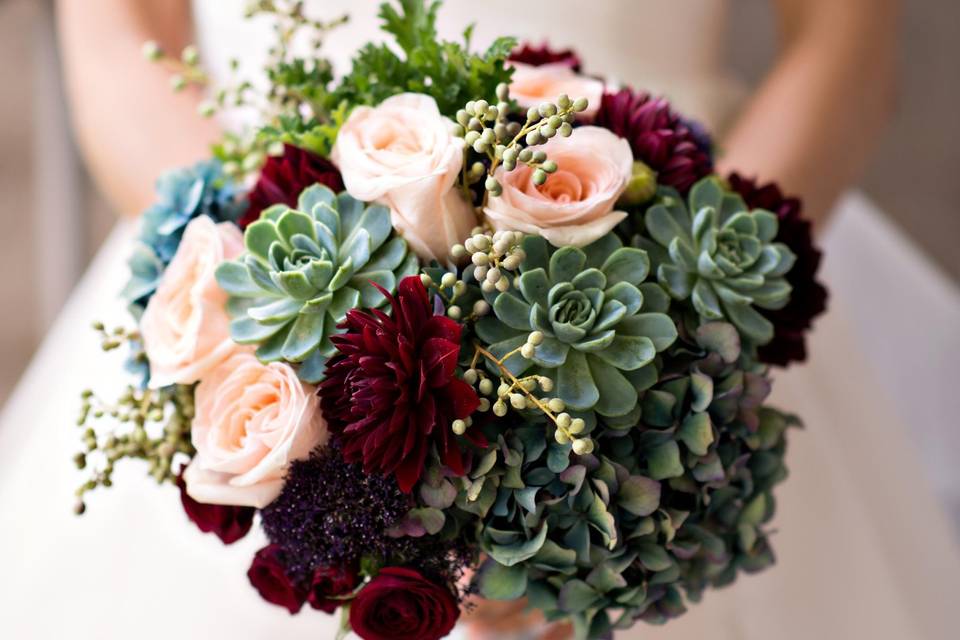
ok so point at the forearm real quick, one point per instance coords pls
(129, 125)
(814, 121)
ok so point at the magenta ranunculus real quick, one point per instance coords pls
(809, 297)
(657, 136)
(229, 523)
(269, 576)
(329, 585)
(282, 179)
(400, 604)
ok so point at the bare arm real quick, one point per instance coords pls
(814, 120)
(130, 126)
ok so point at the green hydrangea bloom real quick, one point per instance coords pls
(602, 324)
(659, 512)
(719, 254)
(305, 268)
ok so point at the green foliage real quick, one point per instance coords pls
(310, 134)
(304, 269)
(720, 255)
(602, 324)
(442, 69)
(658, 512)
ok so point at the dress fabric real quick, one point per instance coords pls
(864, 549)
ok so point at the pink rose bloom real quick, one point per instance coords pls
(576, 204)
(185, 327)
(531, 86)
(404, 155)
(252, 420)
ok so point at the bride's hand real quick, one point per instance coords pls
(509, 620)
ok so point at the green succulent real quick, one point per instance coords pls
(304, 268)
(656, 514)
(602, 324)
(721, 255)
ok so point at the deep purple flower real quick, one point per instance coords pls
(282, 179)
(392, 393)
(269, 577)
(657, 136)
(809, 297)
(329, 584)
(528, 53)
(332, 514)
(229, 523)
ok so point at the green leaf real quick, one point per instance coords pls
(628, 352)
(663, 461)
(512, 311)
(575, 385)
(663, 225)
(576, 596)
(706, 193)
(499, 582)
(705, 301)
(678, 282)
(721, 338)
(639, 495)
(258, 238)
(296, 285)
(294, 223)
(314, 195)
(305, 334)
(659, 327)
(617, 396)
(627, 264)
(697, 433)
(653, 557)
(234, 278)
(750, 322)
(565, 264)
(513, 554)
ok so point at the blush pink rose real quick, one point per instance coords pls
(404, 155)
(576, 204)
(533, 85)
(252, 420)
(185, 327)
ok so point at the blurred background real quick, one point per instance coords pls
(53, 221)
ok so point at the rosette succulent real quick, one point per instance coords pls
(602, 325)
(720, 255)
(183, 194)
(659, 511)
(305, 268)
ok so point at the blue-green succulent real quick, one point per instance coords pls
(183, 195)
(716, 252)
(304, 268)
(602, 324)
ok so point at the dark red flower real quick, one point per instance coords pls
(659, 137)
(392, 392)
(282, 179)
(528, 53)
(328, 583)
(809, 297)
(229, 523)
(400, 604)
(268, 575)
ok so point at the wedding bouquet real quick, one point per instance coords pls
(460, 323)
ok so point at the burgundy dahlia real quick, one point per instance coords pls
(400, 604)
(330, 585)
(809, 297)
(392, 392)
(229, 523)
(657, 136)
(282, 179)
(269, 577)
(528, 53)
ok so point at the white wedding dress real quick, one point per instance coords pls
(864, 549)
